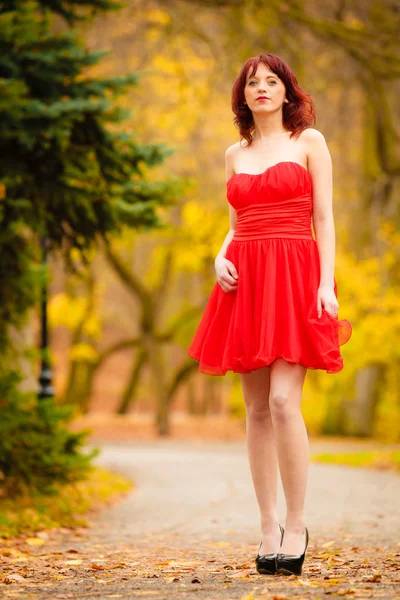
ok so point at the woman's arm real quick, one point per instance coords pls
(229, 171)
(226, 271)
(320, 167)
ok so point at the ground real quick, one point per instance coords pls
(190, 529)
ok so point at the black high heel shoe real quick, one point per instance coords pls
(266, 563)
(291, 564)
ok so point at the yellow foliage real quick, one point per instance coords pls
(69, 508)
(378, 459)
(203, 231)
(354, 23)
(158, 16)
(83, 352)
(75, 255)
(67, 311)
(92, 326)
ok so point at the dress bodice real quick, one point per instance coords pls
(275, 203)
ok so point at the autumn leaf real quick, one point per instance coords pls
(13, 577)
(375, 577)
(35, 541)
(98, 567)
(239, 575)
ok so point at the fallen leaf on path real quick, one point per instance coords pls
(332, 581)
(146, 593)
(219, 544)
(184, 565)
(13, 577)
(304, 582)
(98, 567)
(176, 571)
(171, 579)
(327, 544)
(73, 562)
(375, 577)
(239, 575)
(35, 541)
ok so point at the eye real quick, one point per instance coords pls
(272, 81)
(251, 82)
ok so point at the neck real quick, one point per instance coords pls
(267, 125)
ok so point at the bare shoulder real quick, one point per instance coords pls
(230, 160)
(232, 150)
(312, 138)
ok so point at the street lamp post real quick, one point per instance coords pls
(46, 389)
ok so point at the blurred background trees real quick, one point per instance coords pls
(70, 177)
(120, 330)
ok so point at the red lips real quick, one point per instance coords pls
(262, 98)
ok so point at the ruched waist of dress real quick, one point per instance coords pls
(288, 219)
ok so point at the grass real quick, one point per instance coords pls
(28, 514)
(374, 459)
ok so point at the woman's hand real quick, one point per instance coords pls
(226, 274)
(326, 298)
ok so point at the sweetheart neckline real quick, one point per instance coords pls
(282, 162)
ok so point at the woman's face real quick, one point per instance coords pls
(264, 92)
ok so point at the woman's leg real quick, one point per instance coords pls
(286, 385)
(262, 454)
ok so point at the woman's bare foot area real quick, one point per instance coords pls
(294, 540)
(271, 538)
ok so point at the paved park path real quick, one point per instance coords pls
(205, 490)
(190, 529)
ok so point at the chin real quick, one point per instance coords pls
(263, 109)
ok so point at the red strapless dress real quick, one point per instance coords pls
(273, 312)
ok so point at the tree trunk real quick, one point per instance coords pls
(210, 397)
(130, 389)
(23, 339)
(358, 414)
(156, 359)
(80, 384)
(191, 397)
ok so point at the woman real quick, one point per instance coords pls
(273, 312)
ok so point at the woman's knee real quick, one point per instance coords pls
(285, 390)
(281, 406)
(255, 386)
(258, 409)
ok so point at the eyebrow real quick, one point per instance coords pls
(255, 76)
